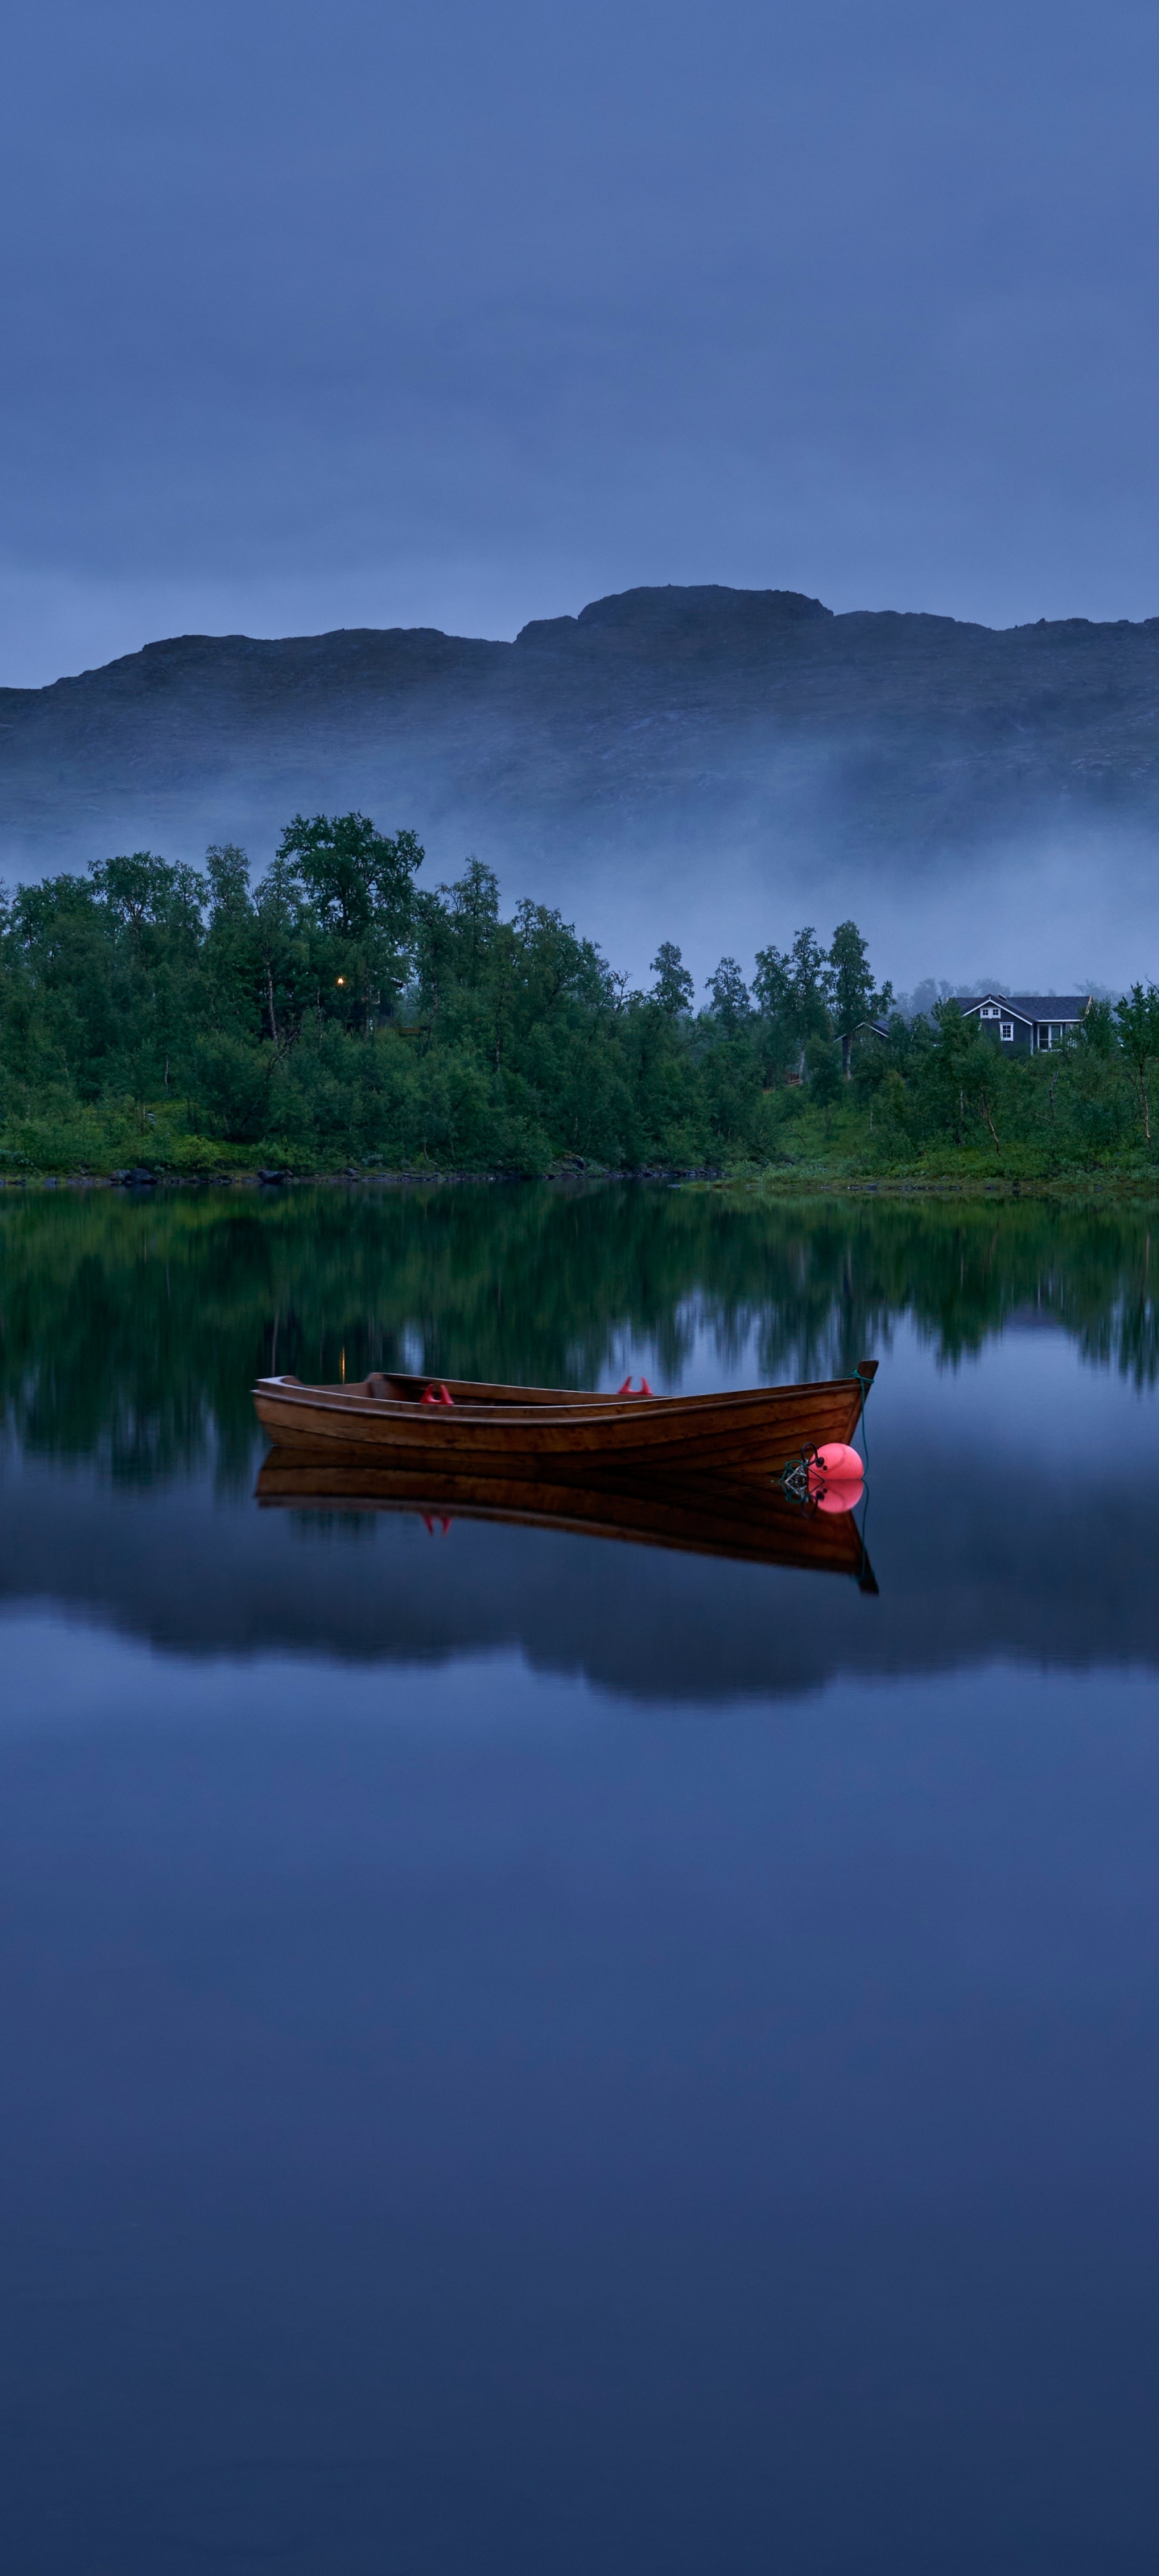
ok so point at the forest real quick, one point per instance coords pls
(338, 1015)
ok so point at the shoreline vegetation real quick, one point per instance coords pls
(761, 1186)
(338, 1021)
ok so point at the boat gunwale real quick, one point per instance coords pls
(538, 1408)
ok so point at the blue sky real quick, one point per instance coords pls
(460, 316)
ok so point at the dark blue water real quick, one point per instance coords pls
(527, 2054)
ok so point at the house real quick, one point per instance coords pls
(1032, 1022)
(1026, 1022)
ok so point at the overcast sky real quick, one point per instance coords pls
(433, 314)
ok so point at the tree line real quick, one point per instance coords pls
(340, 1013)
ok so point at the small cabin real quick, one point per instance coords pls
(1030, 1023)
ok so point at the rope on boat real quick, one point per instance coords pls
(866, 1387)
(795, 1479)
(805, 1477)
(799, 1476)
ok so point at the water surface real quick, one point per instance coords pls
(525, 2052)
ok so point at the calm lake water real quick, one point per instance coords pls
(528, 2054)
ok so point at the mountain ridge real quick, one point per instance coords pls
(661, 728)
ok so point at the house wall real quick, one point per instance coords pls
(1028, 1034)
(1020, 1044)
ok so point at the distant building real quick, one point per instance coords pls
(1032, 1022)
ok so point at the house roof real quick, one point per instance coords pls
(1030, 1006)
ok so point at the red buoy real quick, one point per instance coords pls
(836, 1461)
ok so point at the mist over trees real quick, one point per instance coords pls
(338, 1013)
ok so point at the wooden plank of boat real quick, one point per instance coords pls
(701, 1515)
(515, 1431)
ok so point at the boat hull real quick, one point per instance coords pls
(538, 1432)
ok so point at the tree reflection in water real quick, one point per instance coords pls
(132, 1329)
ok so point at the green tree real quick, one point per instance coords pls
(151, 903)
(1137, 1017)
(360, 883)
(231, 961)
(964, 1076)
(473, 910)
(730, 995)
(227, 871)
(292, 964)
(673, 991)
(790, 991)
(823, 1060)
(154, 916)
(849, 987)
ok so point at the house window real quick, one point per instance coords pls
(1007, 1029)
(989, 1011)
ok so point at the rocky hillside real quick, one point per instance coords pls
(672, 728)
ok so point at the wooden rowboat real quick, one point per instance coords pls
(543, 1432)
(702, 1515)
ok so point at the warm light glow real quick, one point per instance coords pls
(341, 979)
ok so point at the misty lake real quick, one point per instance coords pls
(529, 2054)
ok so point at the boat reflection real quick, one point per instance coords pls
(705, 1515)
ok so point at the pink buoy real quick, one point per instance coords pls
(835, 1459)
(844, 1497)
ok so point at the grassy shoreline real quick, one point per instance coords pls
(825, 1155)
(765, 1185)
